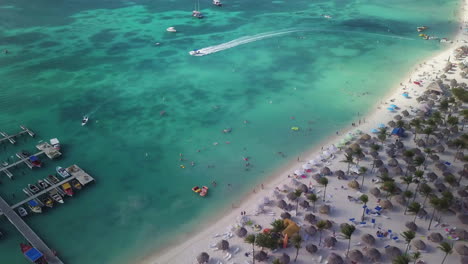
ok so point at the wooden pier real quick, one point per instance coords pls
(11, 138)
(45, 148)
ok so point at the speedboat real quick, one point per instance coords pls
(217, 3)
(76, 184)
(42, 184)
(55, 143)
(33, 188)
(327, 16)
(421, 29)
(22, 212)
(32, 254)
(62, 172)
(197, 14)
(35, 161)
(85, 120)
(34, 206)
(196, 53)
(196, 189)
(67, 189)
(204, 191)
(171, 29)
(52, 179)
(56, 196)
(47, 201)
(4, 164)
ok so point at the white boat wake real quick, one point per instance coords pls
(239, 41)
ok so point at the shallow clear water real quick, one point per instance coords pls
(98, 58)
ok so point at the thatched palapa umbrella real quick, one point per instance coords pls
(386, 204)
(391, 123)
(431, 142)
(366, 137)
(325, 171)
(324, 209)
(373, 254)
(292, 196)
(397, 117)
(261, 256)
(334, 259)
(440, 186)
(383, 170)
(311, 230)
(311, 248)
(397, 170)
(304, 204)
(310, 218)
(441, 166)
(419, 244)
(375, 191)
(285, 215)
(330, 242)
(223, 245)
(281, 204)
(353, 184)
(303, 188)
(392, 163)
(374, 154)
(392, 252)
(378, 163)
(316, 177)
(399, 145)
(284, 259)
(436, 237)
(339, 173)
(241, 232)
(432, 176)
(355, 255)
(420, 143)
(400, 199)
(422, 212)
(439, 148)
(405, 113)
(329, 224)
(203, 258)
(368, 239)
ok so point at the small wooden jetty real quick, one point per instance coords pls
(45, 148)
(11, 138)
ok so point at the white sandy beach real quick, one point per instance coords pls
(337, 191)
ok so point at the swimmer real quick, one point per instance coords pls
(157, 43)
(246, 121)
(193, 163)
(215, 143)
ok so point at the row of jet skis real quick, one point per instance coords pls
(51, 197)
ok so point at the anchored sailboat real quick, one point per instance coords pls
(196, 13)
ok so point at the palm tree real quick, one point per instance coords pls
(414, 208)
(324, 182)
(418, 161)
(416, 255)
(375, 147)
(428, 152)
(382, 138)
(407, 195)
(347, 231)
(364, 198)
(313, 198)
(418, 175)
(437, 117)
(359, 155)
(452, 120)
(426, 190)
(278, 226)
(444, 107)
(348, 159)
(321, 225)
(428, 131)
(389, 187)
(362, 171)
(296, 241)
(298, 194)
(250, 239)
(402, 259)
(439, 204)
(408, 236)
(277, 261)
(408, 154)
(416, 124)
(446, 248)
(407, 180)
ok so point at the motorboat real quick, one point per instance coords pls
(4, 164)
(62, 172)
(171, 29)
(55, 143)
(327, 16)
(84, 121)
(34, 206)
(42, 184)
(27, 192)
(204, 191)
(47, 201)
(217, 3)
(56, 196)
(32, 254)
(76, 184)
(33, 188)
(52, 179)
(421, 29)
(67, 189)
(22, 212)
(35, 161)
(196, 189)
(197, 14)
(196, 53)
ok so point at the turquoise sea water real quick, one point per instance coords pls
(79, 57)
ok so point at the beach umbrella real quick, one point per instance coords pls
(381, 126)
(339, 173)
(365, 137)
(298, 172)
(405, 94)
(325, 171)
(386, 204)
(295, 182)
(416, 151)
(326, 154)
(439, 135)
(441, 166)
(311, 230)
(431, 142)
(400, 199)
(462, 193)
(353, 184)
(329, 242)
(303, 188)
(420, 143)
(391, 109)
(334, 259)
(373, 254)
(434, 157)
(436, 237)
(292, 196)
(285, 187)
(392, 252)
(203, 258)
(383, 170)
(261, 256)
(328, 224)
(461, 249)
(419, 244)
(284, 259)
(375, 191)
(440, 186)
(311, 248)
(463, 218)
(304, 204)
(368, 239)
(241, 232)
(223, 245)
(316, 177)
(281, 204)
(314, 162)
(392, 163)
(411, 226)
(348, 137)
(378, 163)
(307, 166)
(397, 117)
(461, 233)
(393, 105)
(411, 168)
(399, 145)
(397, 170)
(405, 113)
(285, 215)
(310, 218)
(355, 255)
(459, 155)
(332, 148)
(454, 129)
(422, 212)
(374, 154)
(374, 130)
(354, 146)
(324, 209)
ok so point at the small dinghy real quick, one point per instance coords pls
(85, 120)
(171, 29)
(22, 212)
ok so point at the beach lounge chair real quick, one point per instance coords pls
(362, 224)
(395, 238)
(235, 250)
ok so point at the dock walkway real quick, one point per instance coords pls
(28, 233)
(11, 137)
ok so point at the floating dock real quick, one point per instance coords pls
(11, 138)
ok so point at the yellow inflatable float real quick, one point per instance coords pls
(295, 128)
